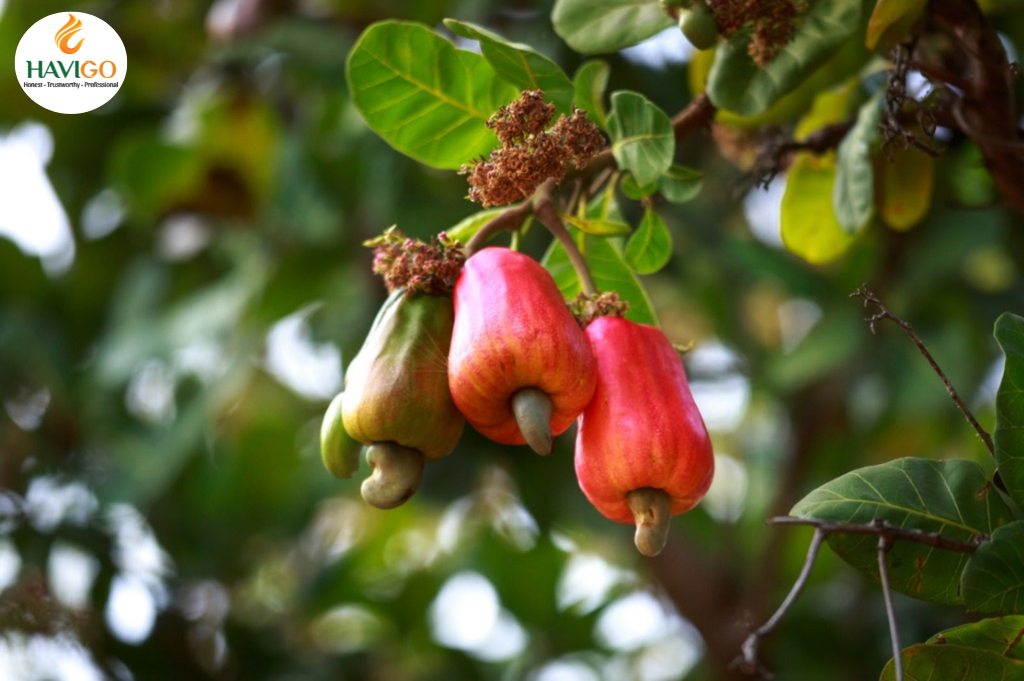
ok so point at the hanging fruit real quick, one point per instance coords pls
(396, 398)
(642, 451)
(520, 368)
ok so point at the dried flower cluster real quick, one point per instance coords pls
(588, 308)
(417, 267)
(774, 22)
(530, 151)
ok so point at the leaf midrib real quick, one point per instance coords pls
(882, 504)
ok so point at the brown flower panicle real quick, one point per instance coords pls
(774, 23)
(416, 266)
(531, 151)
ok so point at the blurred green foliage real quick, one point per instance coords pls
(230, 186)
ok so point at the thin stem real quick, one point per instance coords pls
(750, 664)
(544, 209)
(883, 313)
(884, 544)
(508, 219)
(884, 529)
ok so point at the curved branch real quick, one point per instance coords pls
(544, 210)
(509, 219)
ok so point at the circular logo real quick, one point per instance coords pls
(71, 62)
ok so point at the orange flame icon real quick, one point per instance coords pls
(65, 34)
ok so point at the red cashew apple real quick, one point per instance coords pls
(642, 451)
(520, 368)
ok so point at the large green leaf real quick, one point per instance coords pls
(993, 582)
(739, 85)
(610, 272)
(519, 64)
(642, 137)
(1009, 435)
(854, 195)
(952, 498)
(809, 226)
(1003, 635)
(650, 247)
(424, 97)
(589, 83)
(928, 662)
(595, 26)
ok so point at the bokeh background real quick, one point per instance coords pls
(182, 280)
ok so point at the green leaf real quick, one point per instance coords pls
(596, 26)
(809, 226)
(953, 498)
(610, 271)
(466, 228)
(1009, 435)
(597, 226)
(642, 137)
(928, 662)
(739, 85)
(589, 84)
(854, 194)
(650, 248)
(892, 20)
(633, 190)
(427, 99)
(680, 184)
(1003, 635)
(993, 582)
(519, 64)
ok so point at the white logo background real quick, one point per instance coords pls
(100, 43)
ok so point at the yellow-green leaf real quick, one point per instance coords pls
(830, 106)
(891, 21)
(809, 225)
(597, 227)
(905, 185)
